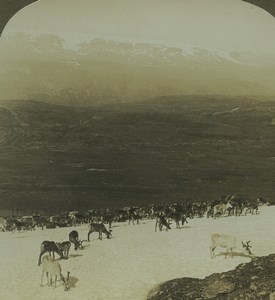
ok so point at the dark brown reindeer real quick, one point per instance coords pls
(74, 239)
(160, 222)
(177, 217)
(65, 248)
(99, 227)
(133, 218)
(51, 247)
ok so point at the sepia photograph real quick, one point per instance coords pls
(137, 149)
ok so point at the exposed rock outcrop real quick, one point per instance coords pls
(250, 281)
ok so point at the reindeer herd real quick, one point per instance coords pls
(226, 206)
(51, 267)
(164, 216)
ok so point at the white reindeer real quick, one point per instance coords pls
(228, 242)
(225, 241)
(53, 269)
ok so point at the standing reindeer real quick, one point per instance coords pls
(51, 247)
(160, 222)
(134, 217)
(177, 217)
(225, 241)
(228, 242)
(99, 227)
(73, 237)
(65, 248)
(53, 269)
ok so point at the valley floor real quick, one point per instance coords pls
(133, 261)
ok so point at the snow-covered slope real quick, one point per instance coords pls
(133, 261)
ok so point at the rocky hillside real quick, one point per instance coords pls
(252, 281)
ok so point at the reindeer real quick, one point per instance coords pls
(160, 222)
(16, 225)
(177, 217)
(53, 268)
(51, 247)
(252, 208)
(134, 217)
(65, 248)
(99, 227)
(107, 218)
(28, 222)
(225, 241)
(228, 242)
(73, 237)
(219, 210)
(3, 227)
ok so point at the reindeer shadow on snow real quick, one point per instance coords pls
(83, 247)
(234, 254)
(72, 281)
(75, 255)
(119, 225)
(185, 227)
(22, 237)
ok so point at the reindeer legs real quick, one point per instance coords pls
(41, 253)
(42, 276)
(90, 231)
(55, 279)
(212, 254)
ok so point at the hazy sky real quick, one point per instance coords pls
(230, 25)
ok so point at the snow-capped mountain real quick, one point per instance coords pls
(103, 71)
(155, 52)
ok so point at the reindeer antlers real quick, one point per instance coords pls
(247, 246)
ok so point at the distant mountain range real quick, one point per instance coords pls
(103, 71)
(162, 150)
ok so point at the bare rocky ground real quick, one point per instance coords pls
(254, 280)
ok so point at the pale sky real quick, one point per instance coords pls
(228, 25)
